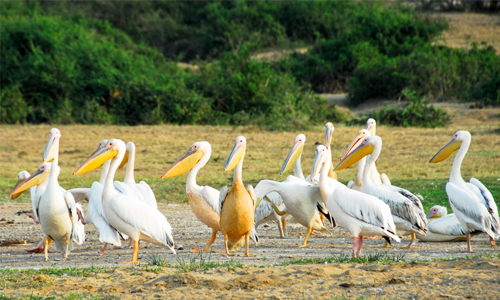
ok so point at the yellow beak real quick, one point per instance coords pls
(235, 157)
(97, 159)
(35, 179)
(446, 151)
(124, 160)
(316, 166)
(257, 203)
(355, 156)
(293, 155)
(184, 164)
(354, 144)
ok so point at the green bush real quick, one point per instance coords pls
(416, 114)
(13, 108)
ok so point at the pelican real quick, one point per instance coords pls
(203, 200)
(141, 189)
(377, 178)
(273, 209)
(471, 202)
(56, 211)
(125, 213)
(361, 214)
(37, 184)
(442, 227)
(237, 205)
(407, 211)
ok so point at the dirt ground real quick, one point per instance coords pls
(476, 278)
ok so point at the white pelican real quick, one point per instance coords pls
(142, 189)
(57, 211)
(471, 202)
(303, 201)
(264, 211)
(124, 212)
(377, 178)
(37, 183)
(203, 200)
(406, 208)
(361, 214)
(442, 227)
(237, 205)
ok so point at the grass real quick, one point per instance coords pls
(188, 264)
(404, 157)
(377, 258)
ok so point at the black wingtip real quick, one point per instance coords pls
(387, 239)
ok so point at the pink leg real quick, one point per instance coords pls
(38, 249)
(468, 244)
(360, 245)
(354, 246)
(492, 240)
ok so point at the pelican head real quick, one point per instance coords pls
(437, 211)
(103, 153)
(356, 142)
(188, 160)
(52, 147)
(40, 175)
(371, 126)
(22, 176)
(319, 160)
(295, 153)
(328, 134)
(236, 154)
(451, 147)
(363, 149)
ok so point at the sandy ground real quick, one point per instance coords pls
(477, 278)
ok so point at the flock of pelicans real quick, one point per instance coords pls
(368, 206)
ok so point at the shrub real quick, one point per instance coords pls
(416, 114)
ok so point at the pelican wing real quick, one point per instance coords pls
(147, 193)
(487, 197)
(264, 209)
(469, 210)
(400, 205)
(78, 228)
(80, 194)
(211, 195)
(448, 225)
(148, 220)
(95, 216)
(365, 208)
(222, 198)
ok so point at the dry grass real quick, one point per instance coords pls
(466, 28)
(405, 154)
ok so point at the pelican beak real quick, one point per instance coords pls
(447, 151)
(328, 136)
(292, 157)
(316, 166)
(97, 159)
(235, 157)
(354, 156)
(371, 128)
(49, 153)
(124, 160)
(35, 179)
(184, 164)
(355, 143)
(257, 203)
(431, 215)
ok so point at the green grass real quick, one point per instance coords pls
(377, 258)
(188, 264)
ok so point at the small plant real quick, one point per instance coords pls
(416, 114)
(156, 260)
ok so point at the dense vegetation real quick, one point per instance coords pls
(117, 61)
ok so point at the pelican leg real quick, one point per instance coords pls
(355, 241)
(212, 240)
(68, 239)
(492, 240)
(309, 230)
(103, 249)
(322, 218)
(47, 241)
(360, 245)
(387, 246)
(284, 227)
(226, 238)
(413, 237)
(280, 227)
(39, 248)
(247, 240)
(135, 254)
(468, 244)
